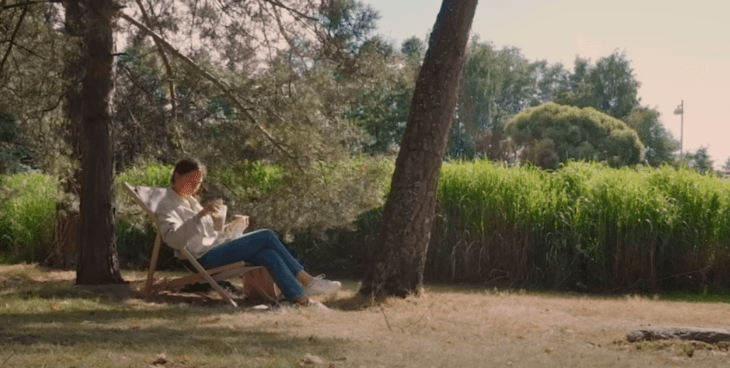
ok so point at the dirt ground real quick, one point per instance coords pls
(472, 328)
(453, 326)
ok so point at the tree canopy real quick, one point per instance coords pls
(550, 134)
(499, 83)
(496, 84)
(313, 61)
(32, 81)
(699, 160)
(659, 145)
(726, 167)
(609, 85)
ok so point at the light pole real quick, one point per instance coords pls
(680, 111)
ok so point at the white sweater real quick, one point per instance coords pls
(181, 226)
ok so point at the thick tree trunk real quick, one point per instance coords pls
(98, 262)
(397, 262)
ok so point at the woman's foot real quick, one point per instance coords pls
(318, 286)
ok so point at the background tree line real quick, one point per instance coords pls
(497, 84)
(310, 84)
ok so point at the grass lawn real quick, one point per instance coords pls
(45, 322)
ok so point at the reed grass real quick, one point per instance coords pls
(27, 216)
(585, 226)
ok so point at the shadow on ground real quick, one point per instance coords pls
(174, 330)
(112, 320)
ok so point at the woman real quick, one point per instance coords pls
(185, 223)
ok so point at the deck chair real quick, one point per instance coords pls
(255, 278)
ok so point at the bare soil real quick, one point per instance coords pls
(455, 326)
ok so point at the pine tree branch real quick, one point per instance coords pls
(12, 38)
(217, 82)
(171, 82)
(279, 4)
(135, 81)
(173, 97)
(18, 5)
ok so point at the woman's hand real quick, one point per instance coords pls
(212, 207)
(243, 220)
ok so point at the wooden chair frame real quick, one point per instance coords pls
(210, 276)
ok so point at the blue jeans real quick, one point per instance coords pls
(262, 248)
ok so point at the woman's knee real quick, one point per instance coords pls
(270, 234)
(272, 240)
(263, 233)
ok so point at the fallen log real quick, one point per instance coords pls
(708, 335)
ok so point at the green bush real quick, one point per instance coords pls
(342, 205)
(151, 174)
(340, 251)
(249, 179)
(27, 216)
(553, 133)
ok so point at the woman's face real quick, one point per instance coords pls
(188, 184)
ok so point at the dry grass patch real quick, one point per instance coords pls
(448, 327)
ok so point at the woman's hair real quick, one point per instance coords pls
(185, 166)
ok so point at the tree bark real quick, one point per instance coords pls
(708, 335)
(398, 259)
(98, 260)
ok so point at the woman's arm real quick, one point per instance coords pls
(176, 229)
(239, 223)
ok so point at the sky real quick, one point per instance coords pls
(676, 49)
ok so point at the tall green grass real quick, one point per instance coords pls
(585, 226)
(27, 216)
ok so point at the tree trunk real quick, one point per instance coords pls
(397, 262)
(98, 260)
(64, 246)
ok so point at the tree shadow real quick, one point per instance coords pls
(26, 287)
(349, 304)
(173, 330)
(118, 293)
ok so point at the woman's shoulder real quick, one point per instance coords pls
(169, 200)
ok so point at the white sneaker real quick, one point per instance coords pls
(320, 286)
(318, 306)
